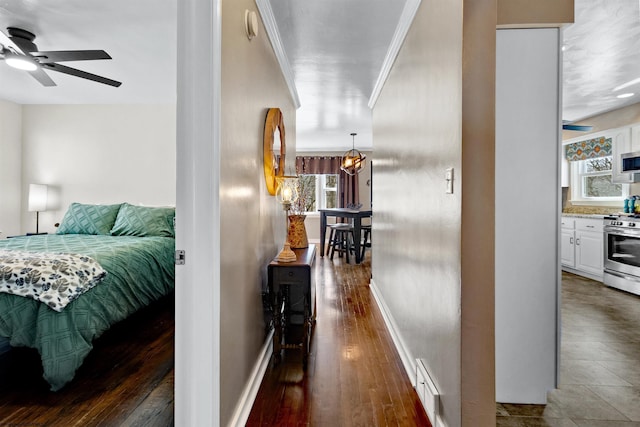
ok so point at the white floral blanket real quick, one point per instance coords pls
(54, 279)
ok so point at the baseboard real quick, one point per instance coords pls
(250, 391)
(408, 361)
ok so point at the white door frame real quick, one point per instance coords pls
(197, 307)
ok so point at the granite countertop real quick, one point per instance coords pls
(584, 215)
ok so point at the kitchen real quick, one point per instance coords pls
(598, 185)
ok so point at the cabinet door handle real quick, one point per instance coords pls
(571, 240)
(591, 226)
(578, 242)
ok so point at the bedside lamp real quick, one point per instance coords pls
(287, 193)
(37, 201)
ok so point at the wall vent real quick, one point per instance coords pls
(428, 393)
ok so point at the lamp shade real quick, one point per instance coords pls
(37, 197)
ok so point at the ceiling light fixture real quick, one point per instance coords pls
(353, 160)
(20, 62)
(627, 84)
(625, 95)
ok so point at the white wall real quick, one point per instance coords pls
(97, 154)
(527, 213)
(10, 167)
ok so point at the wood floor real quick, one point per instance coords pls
(127, 380)
(355, 376)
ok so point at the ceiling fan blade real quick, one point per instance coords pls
(42, 77)
(82, 74)
(47, 57)
(9, 44)
(579, 128)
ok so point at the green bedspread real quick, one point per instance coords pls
(139, 271)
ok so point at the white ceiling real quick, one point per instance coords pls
(335, 49)
(140, 36)
(601, 52)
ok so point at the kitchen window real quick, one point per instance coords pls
(591, 181)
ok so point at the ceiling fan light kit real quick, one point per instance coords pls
(20, 62)
(19, 51)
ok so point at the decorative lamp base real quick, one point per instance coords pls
(286, 254)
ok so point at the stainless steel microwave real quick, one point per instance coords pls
(631, 162)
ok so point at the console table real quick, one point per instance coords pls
(293, 300)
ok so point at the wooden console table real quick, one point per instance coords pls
(293, 300)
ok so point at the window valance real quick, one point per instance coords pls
(588, 149)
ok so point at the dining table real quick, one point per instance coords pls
(352, 214)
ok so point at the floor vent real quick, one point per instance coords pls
(427, 391)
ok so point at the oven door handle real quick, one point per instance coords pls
(622, 232)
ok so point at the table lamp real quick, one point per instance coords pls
(37, 201)
(287, 193)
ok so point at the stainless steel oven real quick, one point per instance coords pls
(622, 253)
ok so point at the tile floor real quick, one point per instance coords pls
(600, 362)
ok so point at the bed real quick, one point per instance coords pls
(134, 245)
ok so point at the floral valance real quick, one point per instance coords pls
(589, 149)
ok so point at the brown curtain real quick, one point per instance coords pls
(349, 195)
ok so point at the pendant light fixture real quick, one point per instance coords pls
(353, 160)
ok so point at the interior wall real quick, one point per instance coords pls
(252, 222)
(527, 267)
(417, 124)
(97, 154)
(10, 167)
(625, 116)
(434, 260)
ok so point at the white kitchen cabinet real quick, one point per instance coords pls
(568, 250)
(581, 245)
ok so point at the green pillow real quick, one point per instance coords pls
(88, 219)
(144, 221)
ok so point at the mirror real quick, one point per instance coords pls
(275, 148)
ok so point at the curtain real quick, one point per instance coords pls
(349, 194)
(588, 149)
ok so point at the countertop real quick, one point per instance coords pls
(591, 216)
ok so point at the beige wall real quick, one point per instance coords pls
(613, 119)
(434, 257)
(252, 223)
(10, 167)
(535, 13)
(97, 154)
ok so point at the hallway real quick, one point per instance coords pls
(599, 373)
(355, 376)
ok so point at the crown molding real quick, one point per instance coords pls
(271, 28)
(406, 18)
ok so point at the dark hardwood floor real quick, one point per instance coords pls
(127, 379)
(355, 376)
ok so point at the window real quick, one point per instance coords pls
(318, 192)
(592, 181)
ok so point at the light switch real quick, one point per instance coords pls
(448, 176)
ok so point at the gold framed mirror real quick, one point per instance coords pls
(274, 149)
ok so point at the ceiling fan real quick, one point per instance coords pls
(567, 125)
(18, 51)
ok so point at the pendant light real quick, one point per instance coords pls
(353, 160)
